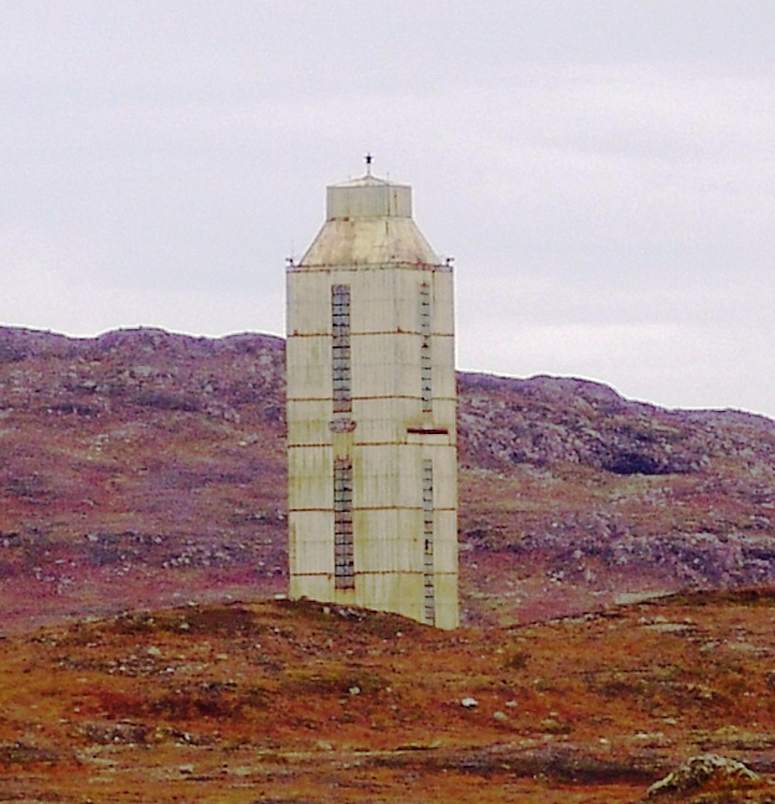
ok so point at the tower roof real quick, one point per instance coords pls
(368, 222)
(368, 197)
(367, 180)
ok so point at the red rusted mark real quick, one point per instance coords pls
(428, 430)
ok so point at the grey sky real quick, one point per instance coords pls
(603, 172)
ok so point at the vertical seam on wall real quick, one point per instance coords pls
(426, 363)
(341, 363)
(429, 592)
(344, 561)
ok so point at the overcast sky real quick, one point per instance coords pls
(603, 172)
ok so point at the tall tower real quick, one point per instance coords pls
(372, 444)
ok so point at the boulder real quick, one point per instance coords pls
(701, 772)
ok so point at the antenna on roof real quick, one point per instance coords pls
(368, 159)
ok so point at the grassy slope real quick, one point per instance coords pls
(305, 702)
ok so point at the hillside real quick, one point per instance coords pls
(143, 468)
(279, 701)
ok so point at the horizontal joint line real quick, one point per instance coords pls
(417, 398)
(372, 444)
(381, 266)
(367, 508)
(371, 572)
(353, 334)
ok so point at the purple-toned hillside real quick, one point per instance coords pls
(141, 468)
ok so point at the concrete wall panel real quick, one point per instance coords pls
(443, 303)
(445, 414)
(376, 476)
(401, 593)
(443, 366)
(445, 547)
(374, 552)
(312, 533)
(309, 422)
(310, 478)
(314, 587)
(445, 587)
(444, 476)
(373, 305)
(310, 359)
(308, 302)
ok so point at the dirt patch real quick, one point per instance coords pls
(566, 764)
(19, 753)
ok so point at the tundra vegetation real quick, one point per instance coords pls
(617, 562)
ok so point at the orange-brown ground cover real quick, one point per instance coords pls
(305, 702)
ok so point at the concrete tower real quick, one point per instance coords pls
(372, 446)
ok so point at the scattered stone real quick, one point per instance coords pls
(469, 703)
(354, 690)
(668, 628)
(651, 739)
(501, 717)
(701, 771)
(511, 704)
(551, 725)
(152, 650)
(324, 745)
(124, 732)
(419, 746)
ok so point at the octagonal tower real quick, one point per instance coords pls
(371, 405)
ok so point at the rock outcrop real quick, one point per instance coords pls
(705, 772)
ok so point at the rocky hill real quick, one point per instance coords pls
(141, 468)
